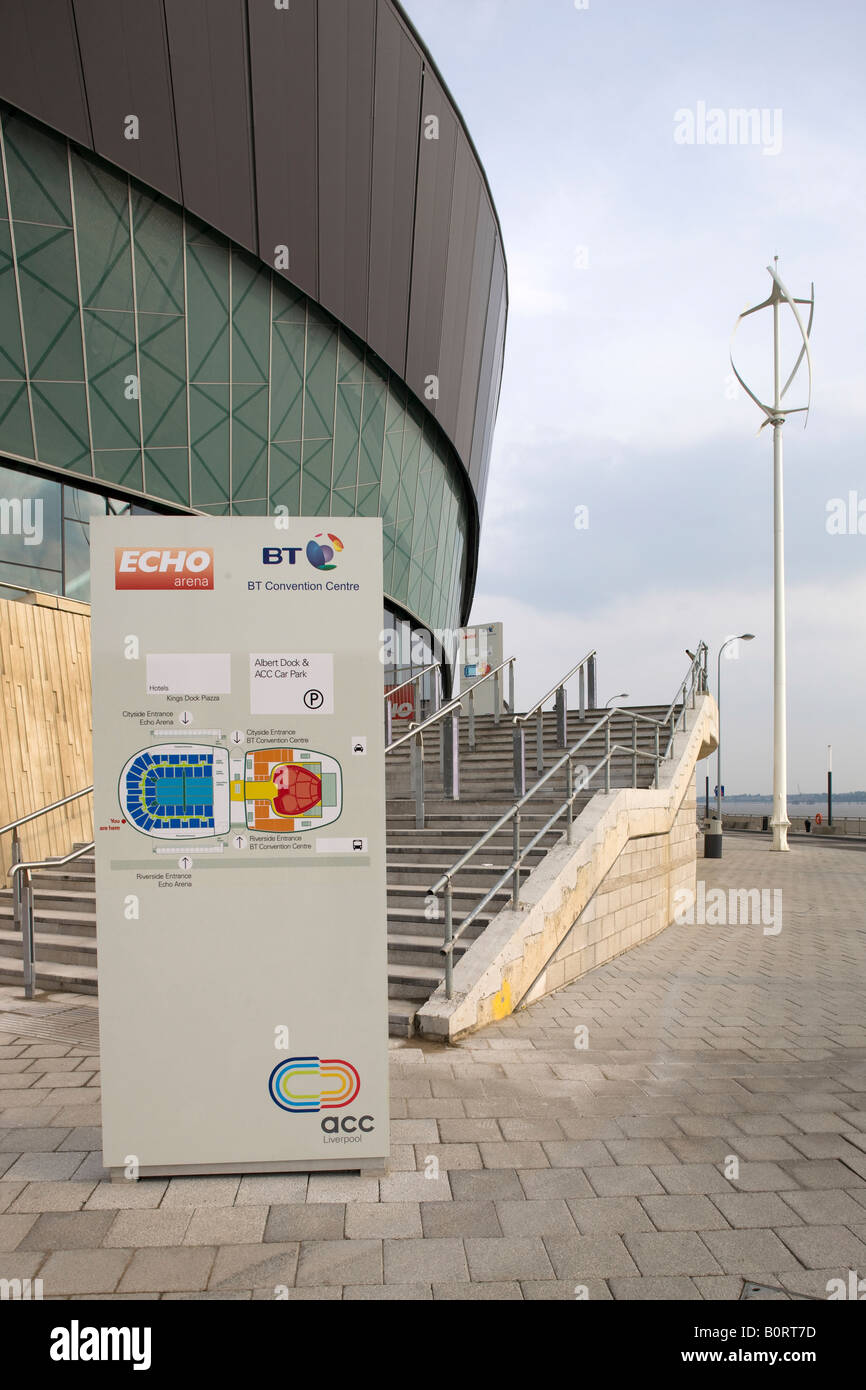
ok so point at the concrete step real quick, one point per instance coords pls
(401, 1017)
(413, 921)
(464, 896)
(54, 920)
(413, 981)
(81, 979)
(474, 875)
(420, 950)
(60, 900)
(65, 949)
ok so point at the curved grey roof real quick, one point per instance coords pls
(301, 124)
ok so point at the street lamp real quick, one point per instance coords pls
(623, 695)
(713, 841)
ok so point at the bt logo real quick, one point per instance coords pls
(320, 552)
(322, 549)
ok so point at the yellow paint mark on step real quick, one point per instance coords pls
(501, 1005)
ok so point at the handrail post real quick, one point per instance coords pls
(569, 791)
(539, 742)
(685, 707)
(451, 758)
(16, 882)
(449, 941)
(497, 698)
(581, 696)
(388, 724)
(471, 721)
(416, 756)
(561, 717)
(634, 752)
(607, 756)
(658, 762)
(515, 881)
(591, 684)
(511, 685)
(29, 955)
(519, 761)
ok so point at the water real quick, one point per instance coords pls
(763, 806)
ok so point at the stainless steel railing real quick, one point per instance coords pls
(585, 670)
(414, 680)
(694, 684)
(22, 882)
(446, 718)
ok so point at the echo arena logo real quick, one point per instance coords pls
(163, 569)
(307, 1085)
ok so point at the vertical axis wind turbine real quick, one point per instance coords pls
(776, 414)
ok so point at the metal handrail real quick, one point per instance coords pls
(694, 683)
(586, 668)
(22, 900)
(522, 718)
(52, 861)
(449, 743)
(451, 705)
(34, 815)
(22, 891)
(410, 680)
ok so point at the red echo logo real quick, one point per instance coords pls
(163, 569)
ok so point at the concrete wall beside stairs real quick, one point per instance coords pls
(587, 902)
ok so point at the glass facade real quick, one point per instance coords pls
(144, 351)
(45, 533)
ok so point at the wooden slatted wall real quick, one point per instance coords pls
(45, 722)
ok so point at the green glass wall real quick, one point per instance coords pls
(142, 350)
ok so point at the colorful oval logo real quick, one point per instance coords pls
(309, 1084)
(322, 549)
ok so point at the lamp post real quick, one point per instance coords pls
(830, 784)
(713, 838)
(775, 415)
(623, 695)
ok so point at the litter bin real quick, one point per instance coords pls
(713, 839)
(765, 822)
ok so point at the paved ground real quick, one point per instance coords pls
(712, 1131)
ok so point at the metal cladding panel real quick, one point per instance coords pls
(476, 323)
(300, 127)
(124, 53)
(458, 283)
(347, 48)
(209, 66)
(395, 160)
(283, 63)
(432, 229)
(491, 373)
(40, 66)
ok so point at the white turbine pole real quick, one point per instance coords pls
(776, 414)
(779, 824)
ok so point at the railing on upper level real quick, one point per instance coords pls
(415, 681)
(585, 670)
(695, 684)
(446, 719)
(21, 874)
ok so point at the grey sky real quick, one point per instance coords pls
(630, 257)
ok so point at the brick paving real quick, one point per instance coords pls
(712, 1131)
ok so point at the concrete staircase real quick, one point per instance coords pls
(417, 858)
(64, 898)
